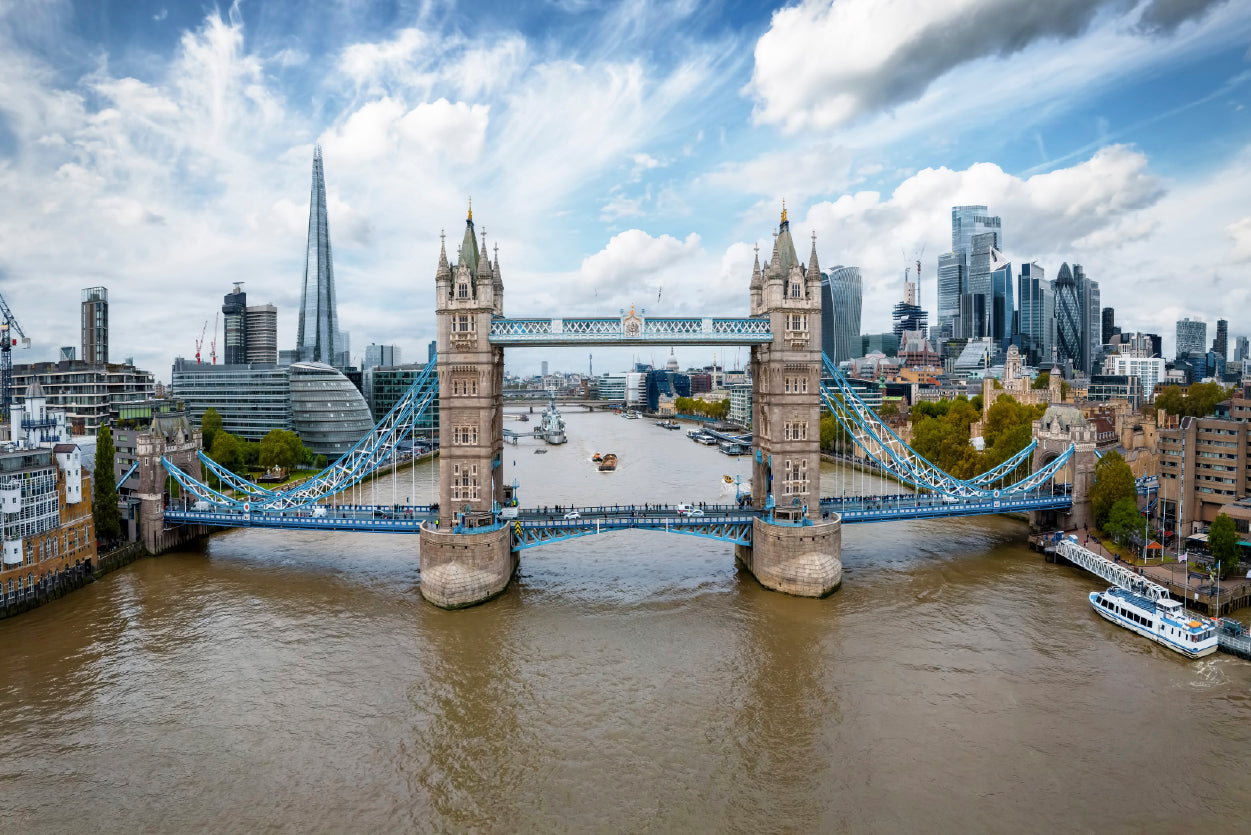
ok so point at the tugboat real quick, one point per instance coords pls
(596, 458)
(608, 463)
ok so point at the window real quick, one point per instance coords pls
(464, 482)
(463, 323)
(797, 290)
(465, 435)
(796, 430)
(794, 477)
(796, 385)
(797, 322)
(462, 290)
(464, 386)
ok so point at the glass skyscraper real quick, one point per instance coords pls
(952, 270)
(1069, 317)
(966, 271)
(1036, 318)
(1192, 337)
(843, 330)
(318, 339)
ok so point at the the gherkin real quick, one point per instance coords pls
(318, 339)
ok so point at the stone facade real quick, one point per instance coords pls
(171, 437)
(804, 561)
(1059, 428)
(462, 569)
(800, 559)
(471, 380)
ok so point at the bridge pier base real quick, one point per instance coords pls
(803, 561)
(464, 569)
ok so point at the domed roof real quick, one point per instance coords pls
(672, 364)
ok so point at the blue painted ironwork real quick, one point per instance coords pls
(631, 329)
(375, 518)
(129, 473)
(855, 509)
(725, 526)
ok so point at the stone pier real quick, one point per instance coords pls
(463, 569)
(804, 561)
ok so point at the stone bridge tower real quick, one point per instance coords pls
(468, 557)
(173, 438)
(793, 549)
(1060, 427)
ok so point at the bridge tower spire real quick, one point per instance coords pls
(793, 548)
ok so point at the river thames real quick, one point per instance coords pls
(631, 681)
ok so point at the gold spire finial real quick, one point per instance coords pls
(471, 208)
(784, 210)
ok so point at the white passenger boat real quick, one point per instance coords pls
(1164, 621)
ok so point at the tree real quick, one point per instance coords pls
(282, 448)
(227, 450)
(1124, 521)
(210, 425)
(1201, 398)
(1223, 542)
(104, 490)
(1114, 480)
(1042, 381)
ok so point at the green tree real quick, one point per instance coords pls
(1223, 542)
(1042, 381)
(282, 448)
(227, 450)
(889, 408)
(104, 490)
(1114, 480)
(210, 425)
(1124, 521)
(1201, 398)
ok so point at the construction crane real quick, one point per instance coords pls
(8, 327)
(199, 342)
(213, 343)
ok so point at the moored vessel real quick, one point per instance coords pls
(1164, 621)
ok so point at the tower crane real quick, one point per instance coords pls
(200, 341)
(213, 342)
(8, 327)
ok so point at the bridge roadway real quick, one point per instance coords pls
(542, 525)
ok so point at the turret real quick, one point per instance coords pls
(757, 285)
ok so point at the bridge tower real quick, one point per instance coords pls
(1060, 427)
(468, 559)
(793, 549)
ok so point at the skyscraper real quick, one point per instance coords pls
(1221, 344)
(1036, 319)
(1242, 349)
(1001, 307)
(318, 339)
(1068, 317)
(966, 271)
(1192, 336)
(1109, 328)
(845, 306)
(95, 325)
(952, 275)
(235, 326)
(1092, 320)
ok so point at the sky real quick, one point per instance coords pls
(618, 154)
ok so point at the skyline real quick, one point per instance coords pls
(162, 152)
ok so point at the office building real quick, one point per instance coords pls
(235, 326)
(1150, 370)
(669, 383)
(90, 395)
(965, 271)
(612, 387)
(327, 410)
(318, 338)
(385, 385)
(1241, 349)
(1069, 318)
(1002, 312)
(1036, 317)
(95, 325)
(382, 355)
(1108, 325)
(741, 404)
(1221, 343)
(1192, 337)
(841, 325)
(1092, 320)
(886, 344)
(1105, 387)
(68, 352)
(1204, 465)
(262, 338)
(952, 275)
(543, 372)
(252, 399)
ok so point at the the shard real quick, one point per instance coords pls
(319, 339)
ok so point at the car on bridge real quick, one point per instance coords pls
(573, 514)
(688, 510)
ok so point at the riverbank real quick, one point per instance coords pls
(73, 578)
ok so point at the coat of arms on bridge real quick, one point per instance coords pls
(632, 323)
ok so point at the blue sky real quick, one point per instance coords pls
(611, 149)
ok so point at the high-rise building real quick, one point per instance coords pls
(235, 326)
(1109, 328)
(95, 325)
(1002, 309)
(1069, 317)
(845, 307)
(1192, 336)
(1221, 343)
(952, 276)
(318, 338)
(91, 394)
(382, 355)
(544, 367)
(1036, 318)
(1092, 324)
(966, 271)
(262, 327)
(1242, 350)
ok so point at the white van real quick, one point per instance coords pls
(202, 505)
(319, 511)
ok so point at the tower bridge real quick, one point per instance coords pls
(784, 532)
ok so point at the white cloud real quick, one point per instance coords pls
(366, 63)
(1239, 233)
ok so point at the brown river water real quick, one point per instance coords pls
(632, 681)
